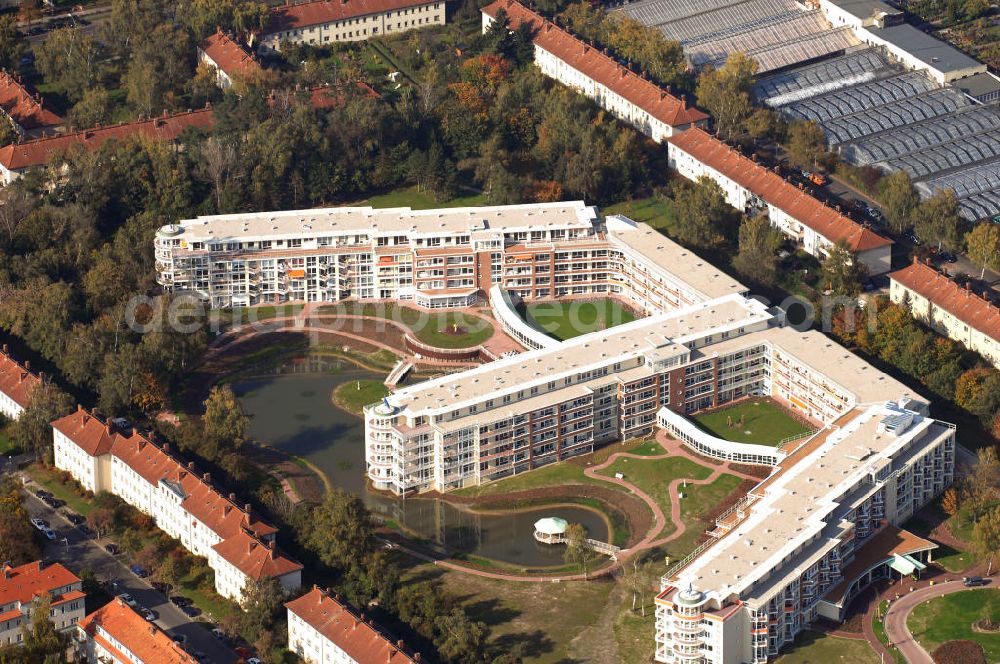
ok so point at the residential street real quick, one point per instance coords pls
(76, 552)
(899, 611)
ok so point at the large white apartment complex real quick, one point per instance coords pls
(807, 539)
(628, 96)
(752, 187)
(950, 309)
(20, 591)
(239, 547)
(432, 258)
(322, 630)
(321, 22)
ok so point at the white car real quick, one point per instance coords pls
(39, 524)
(128, 599)
(51, 534)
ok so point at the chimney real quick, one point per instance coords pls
(166, 448)
(190, 465)
(5, 349)
(416, 657)
(27, 365)
(207, 477)
(246, 508)
(232, 497)
(110, 427)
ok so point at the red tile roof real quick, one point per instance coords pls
(88, 432)
(22, 584)
(961, 303)
(291, 17)
(772, 188)
(229, 55)
(16, 380)
(325, 96)
(22, 107)
(144, 640)
(255, 558)
(17, 156)
(596, 65)
(352, 634)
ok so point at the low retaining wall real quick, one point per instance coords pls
(473, 354)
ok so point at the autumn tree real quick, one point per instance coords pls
(725, 92)
(262, 601)
(765, 123)
(32, 431)
(986, 537)
(758, 244)
(645, 47)
(11, 42)
(983, 246)
(978, 391)
(69, 60)
(93, 109)
(101, 519)
(41, 641)
(898, 199)
(937, 220)
(702, 213)
(225, 421)
(17, 537)
(342, 530)
(951, 503)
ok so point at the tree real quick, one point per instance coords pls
(342, 530)
(261, 602)
(898, 198)
(983, 246)
(16, 203)
(758, 244)
(978, 391)
(578, 550)
(225, 421)
(11, 42)
(32, 431)
(806, 141)
(101, 520)
(460, 639)
(17, 537)
(701, 213)
(937, 220)
(986, 536)
(68, 59)
(725, 92)
(41, 640)
(843, 274)
(646, 47)
(951, 503)
(93, 109)
(764, 123)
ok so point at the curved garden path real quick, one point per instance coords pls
(674, 448)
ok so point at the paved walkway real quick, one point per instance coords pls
(895, 619)
(673, 448)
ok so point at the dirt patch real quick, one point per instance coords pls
(753, 470)
(622, 507)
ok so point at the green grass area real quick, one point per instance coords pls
(950, 617)
(764, 422)
(356, 395)
(544, 618)
(816, 648)
(445, 329)
(657, 211)
(213, 606)
(950, 558)
(422, 200)
(698, 500)
(7, 444)
(653, 476)
(50, 482)
(648, 448)
(878, 626)
(567, 319)
(243, 315)
(555, 474)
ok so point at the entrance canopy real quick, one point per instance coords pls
(906, 564)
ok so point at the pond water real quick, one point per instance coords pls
(292, 410)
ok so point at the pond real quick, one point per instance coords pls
(292, 410)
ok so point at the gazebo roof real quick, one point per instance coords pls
(551, 525)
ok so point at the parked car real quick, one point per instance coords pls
(111, 548)
(179, 600)
(128, 599)
(85, 529)
(243, 652)
(254, 660)
(73, 517)
(41, 493)
(149, 615)
(817, 179)
(48, 532)
(39, 524)
(139, 571)
(181, 639)
(948, 257)
(190, 611)
(220, 635)
(973, 581)
(161, 586)
(914, 240)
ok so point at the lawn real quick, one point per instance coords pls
(816, 648)
(555, 474)
(656, 211)
(698, 500)
(422, 200)
(567, 319)
(950, 617)
(451, 329)
(764, 422)
(49, 481)
(544, 618)
(355, 396)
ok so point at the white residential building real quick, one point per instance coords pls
(239, 546)
(751, 187)
(324, 630)
(628, 96)
(17, 383)
(950, 309)
(116, 634)
(809, 538)
(228, 58)
(321, 22)
(20, 590)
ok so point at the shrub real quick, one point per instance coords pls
(959, 652)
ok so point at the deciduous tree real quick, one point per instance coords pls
(806, 142)
(17, 537)
(725, 92)
(101, 520)
(702, 213)
(32, 431)
(68, 59)
(225, 421)
(936, 220)
(758, 244)
(342, 530)
(983, 246)
(578, 550)
(11, 42)
(898, 198)
(986, 536)
(842, 273)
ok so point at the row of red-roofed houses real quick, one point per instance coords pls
(632, 98)
(750, 186)
(186, 505)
